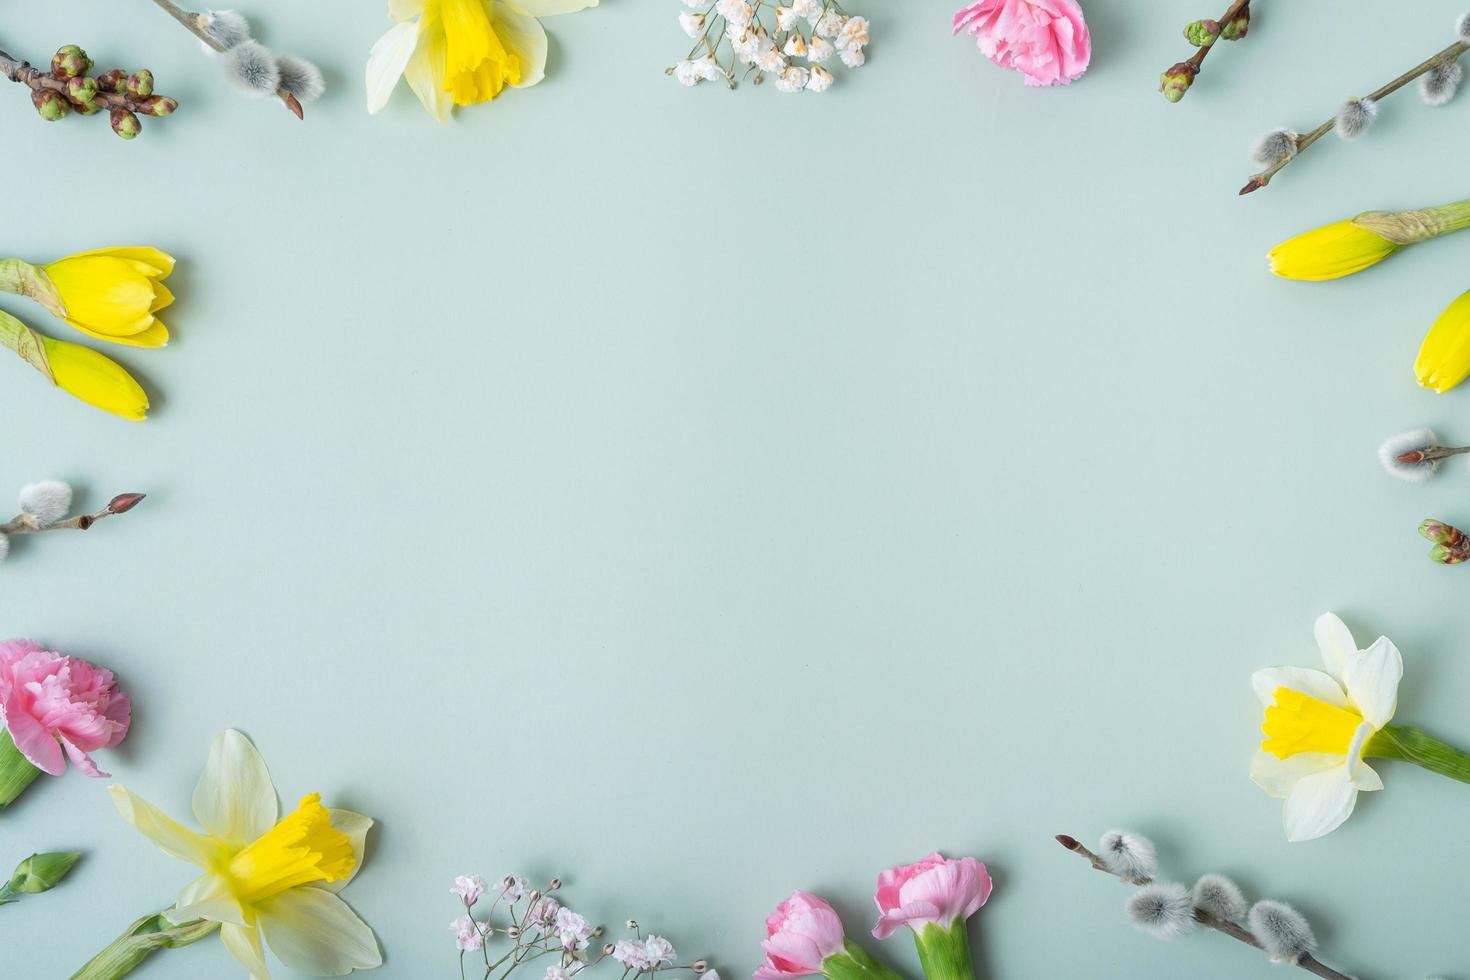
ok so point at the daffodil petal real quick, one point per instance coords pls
(1319, 804)
(1278, 777)
(315, 932)
(1444, 356)
(1335, 641)
(97, 380)
(106, 293)
(159, 262)
(172, 838)
(1372, 680)
(1367, 779)
(525, 41)
(156, 335)
(1312, 683)
(389, 57)
(208, 897)
(551, 8)
(162, 296)
(356, 827)
(426, 69)
(243, 942)
(401, 10)
(234, 799)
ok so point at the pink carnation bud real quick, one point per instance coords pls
(802, 932)
(49, 702)
(1045, 40)
(937, 889)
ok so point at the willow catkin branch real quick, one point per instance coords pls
(1306, 961)
(1449, 54)
(25, 524)
(194, 24)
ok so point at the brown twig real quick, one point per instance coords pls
(1195, 62)
(194, 23)
(1306, 961)
(1448, 55)
(26, 524)
(40, 81)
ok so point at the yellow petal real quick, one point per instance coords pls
(525, 42)
(356, 827)
(172, 838)
(159, 262)
(1330, 252)
(162, 296)
(96, 380)
(156, 335)
(1444, 357)
(303, 848)
(477, 65)
(103, 293)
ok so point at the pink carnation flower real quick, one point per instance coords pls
(1045, 40)
(48, 702)
(937, 889)
(802, 932)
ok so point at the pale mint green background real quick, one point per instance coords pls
(701, 495)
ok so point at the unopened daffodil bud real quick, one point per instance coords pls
(111, 294)
(1345, 247)
(1444, 357)
(79, 371)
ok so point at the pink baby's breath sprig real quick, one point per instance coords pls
(529, 923)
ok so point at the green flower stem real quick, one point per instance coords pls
(1409, 227)
(1409, 744)
(945, 953)
(143, 938)
(24, 279)
(855, 963)
(16, 771)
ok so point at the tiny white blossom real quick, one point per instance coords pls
(819, 50)
(467, 935)
(820, 81)
(469, 888)
(514, 887)
(658, 951)
(686, 73)
(692, 24)
(696, 3)
(770, 60)
(786, 18)
(853, 57)
(709, 69)
(793, 79)
(810, 9)
(795, 46)
(854, 33)
(572, 929)
(736, 11)
(830, 24)
(543, 913)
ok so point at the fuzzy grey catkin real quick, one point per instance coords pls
(228, 27)
(46, 500)
(251, 68)
(1275, 146)
(1462, 27)
(1220, 897)
(1354, 118)
(1439, 84)
(4, 546)
(301, 78)
(1413, 441)
(1162, 910)
(1129, 856)
(1282, 931)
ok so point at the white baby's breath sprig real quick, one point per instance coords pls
(735, 40)
(44, 506)
(536, 925)
(1439, 79)
(1168, 910)
(249, 65)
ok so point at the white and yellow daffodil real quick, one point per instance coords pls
(264, 874)
(461, 52)
(1318, 725)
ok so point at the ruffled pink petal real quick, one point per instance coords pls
(35, 743)
(83, 761)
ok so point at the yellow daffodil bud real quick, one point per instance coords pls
(1444, 357)
(79, 371)
(1345, 247)
(113, 293)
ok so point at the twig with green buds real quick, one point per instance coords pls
(1232, 26)
(1451, 546)
(37, 873)
(1440, 78)
(1169, 910)
(67, 88)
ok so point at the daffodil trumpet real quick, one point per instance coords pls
(111, 294)
(1321, 727)
(1345, 247)
(79, 371)
(262, 875)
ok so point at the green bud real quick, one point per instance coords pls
(69, 62)
(50, 105)
(1176, 81)
(125, 124)
(159, 105)
(1236, 29)
(112, 81)
(1446, 555)
(41, 872)
(81, 89)
(1202, 33)
(1439, 532)
(140, 83)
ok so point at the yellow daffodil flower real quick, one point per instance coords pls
(1444, 357)
(79, 371)
(111, 294)
(265, 874)
(1345, 247)
(461, 52)
(1317, 726)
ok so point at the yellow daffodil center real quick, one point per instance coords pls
(1300, 723)
(303, 848)
(477, 64)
